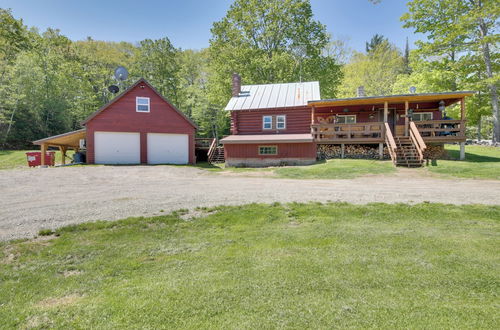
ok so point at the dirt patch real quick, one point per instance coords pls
(39, 321)
(60, 301)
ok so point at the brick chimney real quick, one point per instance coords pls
(360, 92)
(236, 84)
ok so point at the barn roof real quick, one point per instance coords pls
(274, 96)
(141, 80)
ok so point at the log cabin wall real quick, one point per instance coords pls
(298, 120)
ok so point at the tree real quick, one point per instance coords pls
(376, 71)
(158, 62)
(376, 41)
(460, 28)
(269, 41)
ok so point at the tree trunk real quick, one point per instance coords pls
(479, 129)
(491, 85)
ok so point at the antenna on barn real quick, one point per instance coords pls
(121, 74)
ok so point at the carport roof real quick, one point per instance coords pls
(69, 139)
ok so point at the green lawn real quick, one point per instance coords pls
(11, 159)
(337, 169)
(480, 163)
(426, 266)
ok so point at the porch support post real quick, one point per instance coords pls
(386, 111)
(462, 150)
(462, 108)
(63, 154)
(406, 118)
(381, 151)
(313, 111)
(342, 151)
(43, 151)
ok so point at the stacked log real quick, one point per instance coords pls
(353, 151)
(435, 151)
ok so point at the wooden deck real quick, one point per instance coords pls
(438, 131)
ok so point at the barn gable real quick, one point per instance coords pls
(124, 107)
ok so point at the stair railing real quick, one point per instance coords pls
(391, 144)
(417, 140)
(212, 150)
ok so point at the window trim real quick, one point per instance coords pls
(345, 116)
(268, 146)
(264, 122)
(422, 113)
(137, 104)
(284, 121)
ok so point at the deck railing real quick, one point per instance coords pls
(203, 143)
(417, 140)
(362, 132)
(391, 144)
(441, 129)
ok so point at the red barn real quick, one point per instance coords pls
(139, 126)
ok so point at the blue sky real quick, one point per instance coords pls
(187, 22)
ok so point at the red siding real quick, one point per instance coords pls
(285, 150)
(121, 116)
(298, 120)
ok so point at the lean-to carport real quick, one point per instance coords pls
(65, 141)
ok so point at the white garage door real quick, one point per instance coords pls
(117, 148)
(168, 148)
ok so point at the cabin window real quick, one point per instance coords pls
(346, 119)
(267, 122)
(142, 104)
(421, 116)
(281, 122)
(268, 150)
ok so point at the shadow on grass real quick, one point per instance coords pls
(472, 158)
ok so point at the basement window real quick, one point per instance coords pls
(268, 150)
(346, 119)
(421, 116)
(267, 122)
(142, 104)
(281, 122)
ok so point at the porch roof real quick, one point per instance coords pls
(448, 97)
(267, 138)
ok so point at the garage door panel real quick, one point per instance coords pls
(117, 148)
(168, 148)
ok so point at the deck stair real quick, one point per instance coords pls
(216, 153)
(406, 153)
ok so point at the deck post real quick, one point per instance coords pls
(342, 150)
(386, 111)
(43, 151)
(313, 110)
(406, 118)
(462, 109)
(380, 151)
(462, 150)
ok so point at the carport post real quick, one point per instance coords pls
(43, 151)
(63, 154)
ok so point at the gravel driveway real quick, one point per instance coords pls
(53, 197)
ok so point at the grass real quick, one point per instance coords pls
(480, 163)
(12, 159)
(262, 266)
(336, 169)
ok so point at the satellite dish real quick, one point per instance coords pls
(113, 89)
(121, 73)
(413, 89)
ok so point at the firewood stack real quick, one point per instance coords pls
(355, 151)
(434, 151)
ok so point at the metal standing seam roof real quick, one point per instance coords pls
(274, 96)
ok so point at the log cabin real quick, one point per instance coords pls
(288, 124)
